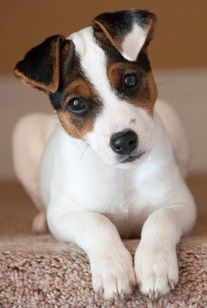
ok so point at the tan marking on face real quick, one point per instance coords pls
(116, 70)
(75, 125)
(80, 87)
(148, 85)
(153, 92)
(146, 94)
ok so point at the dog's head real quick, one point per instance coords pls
(99, 81)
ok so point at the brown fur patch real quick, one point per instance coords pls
(55, 59)
(116, 70)
(75, 125)
(32, 83)
(81, 87)
(144, 95)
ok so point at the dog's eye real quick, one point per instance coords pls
(78, 105)
(131, 80)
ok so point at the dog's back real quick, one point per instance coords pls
(29, 140)
(177, 134)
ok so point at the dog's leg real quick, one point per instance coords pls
(155, 259)
(39, 225)
(111, 263)
(29, 139)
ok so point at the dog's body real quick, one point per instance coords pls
(126, 214)
(91, 195)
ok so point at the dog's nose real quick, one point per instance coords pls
(124, 142)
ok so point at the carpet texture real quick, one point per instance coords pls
(38, 271)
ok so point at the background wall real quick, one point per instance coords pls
(178, 55)
(180, 40)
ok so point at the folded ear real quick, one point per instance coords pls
(128, 31)
(41, 65)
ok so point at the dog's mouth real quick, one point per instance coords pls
(132, 157)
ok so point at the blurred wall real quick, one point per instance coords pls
(178, 55)
(180, 40)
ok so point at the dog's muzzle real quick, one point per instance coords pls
(124, 142)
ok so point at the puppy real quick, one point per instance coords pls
(115, 166)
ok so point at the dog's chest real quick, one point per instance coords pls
(79, 181)
(114, 193)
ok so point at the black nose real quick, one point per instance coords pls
(124, 142)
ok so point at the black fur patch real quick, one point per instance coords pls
(143, 61)
(71, 71)
(142, 64)
(56, 99)
(39, 64)
(120, 23)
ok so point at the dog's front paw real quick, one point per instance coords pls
(112, 272)
(156, 269)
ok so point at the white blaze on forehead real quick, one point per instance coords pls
(93, 63)
(133, 42)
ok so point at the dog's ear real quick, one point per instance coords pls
(128, 31)
(40, 67)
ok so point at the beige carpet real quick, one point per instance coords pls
(37, 271)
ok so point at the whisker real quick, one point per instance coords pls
(165, 82)
(82, 155)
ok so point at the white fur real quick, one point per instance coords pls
(91, 199)
(133, 42)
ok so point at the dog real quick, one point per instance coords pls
(114, 163)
